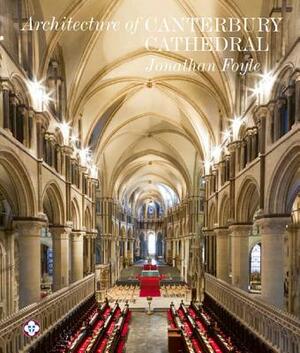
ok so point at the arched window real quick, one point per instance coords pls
(56, 85)
(151, 244)
(255, 268)
(296, 210)
(284, 119)
(19, 44)
(159, 245)
(283, 115)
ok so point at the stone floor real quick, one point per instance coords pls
(148, 333)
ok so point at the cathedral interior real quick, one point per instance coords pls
(126, 191)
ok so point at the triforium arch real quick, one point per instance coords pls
(88, 219)
(212, 218)
(284, 185)
(224, 211)
(75, 215)
(53, 204)
(247, 201)
(18, 184)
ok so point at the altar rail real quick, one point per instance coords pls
(47, 312)
(277, 328)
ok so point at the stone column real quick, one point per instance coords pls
(163, 249)
(13, 114)
(210, 255)
(4, 106)
(93, 252)
(186, 258)
(125, 252)
(29, 231)
(293, 285)
(222, 236)
(76, 256)
(291, 116)
(89, 253)
(174, 254)
(113, 260)
(243, 156)
(39, 135)
(60, 239)
(25, 127)
(248, 144)
(237, 158)
(297, 100)
(240, 255)
(105, 251)
(182, 251)
(272, 231)
(10, 275)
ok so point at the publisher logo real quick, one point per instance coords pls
(31, 328)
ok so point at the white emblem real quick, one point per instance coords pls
(31, 328)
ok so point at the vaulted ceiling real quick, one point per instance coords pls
(149, 131)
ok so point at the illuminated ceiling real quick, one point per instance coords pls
(149, 131)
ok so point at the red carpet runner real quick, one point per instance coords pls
(149, 286)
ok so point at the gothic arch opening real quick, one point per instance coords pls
(53, 205)
(248, 202)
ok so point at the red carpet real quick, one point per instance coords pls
(150, 267)
(149, 286)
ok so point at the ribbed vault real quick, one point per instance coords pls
(150, 132)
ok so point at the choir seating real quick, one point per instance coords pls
(93, 328)
(130, 292)
(201, 330)
(208, 328)
(123, 293)
(172, 291)
(240, 335)
(112, 334)
(60, 338)
(175, 325)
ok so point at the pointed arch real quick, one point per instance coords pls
(285, 182)
(18, 184)
(224, 213)
(75, 214)
(247, 201)
(53, 204)
(212, 216)
(88, 219)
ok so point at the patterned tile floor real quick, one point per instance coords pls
(148, 333)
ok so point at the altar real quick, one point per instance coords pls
(150, 273)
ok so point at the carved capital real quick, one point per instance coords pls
(77, 236)
(67, 150)
(232, 146)
(29, 227)
(273, 225)
(42, 119)
(240, 230)
(60, 232)
(222, 232)
(5, 86)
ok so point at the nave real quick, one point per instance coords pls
(105, 166)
